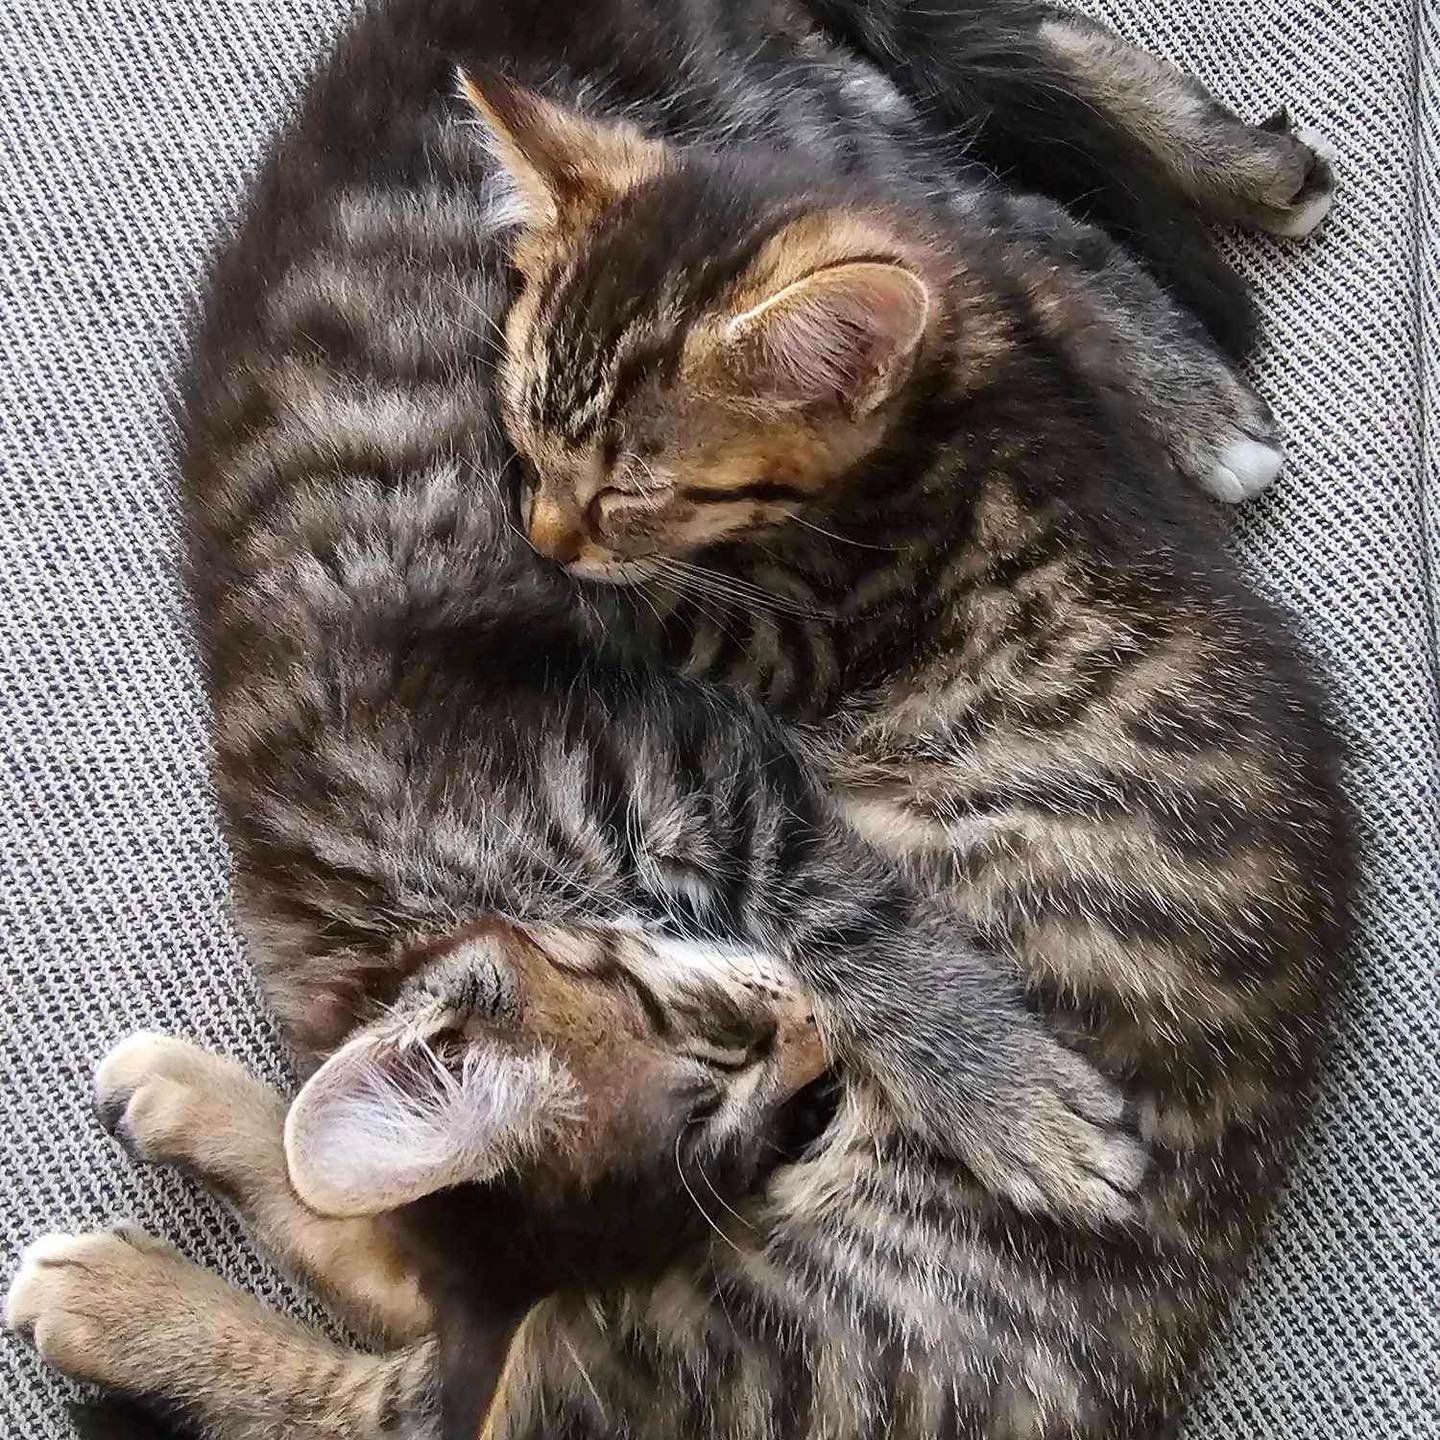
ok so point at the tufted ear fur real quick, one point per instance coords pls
(845, 333)
(563, 165)
(388, 1119)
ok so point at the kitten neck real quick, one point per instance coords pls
(895, 530)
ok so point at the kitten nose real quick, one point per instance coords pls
(553, 532)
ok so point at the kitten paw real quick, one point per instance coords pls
(80, 1299)
(1242, 468)
(1070, 1147)
(170, 1102)
(1231, 448)
(1301, 186)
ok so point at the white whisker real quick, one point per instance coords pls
(695, 1199)
(724, 1204)
(843, 539)
(721, 585)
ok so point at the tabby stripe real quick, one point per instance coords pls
(1005, 571)
(652, 359)
(748, 840)
(1201, 821)
(775, 491)
(610, 970)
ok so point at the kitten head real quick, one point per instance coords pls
(556, 1110)
(700, 348)
(560, 1066)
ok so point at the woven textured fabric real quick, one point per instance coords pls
(127, 129)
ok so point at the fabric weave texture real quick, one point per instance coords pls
(128, 130)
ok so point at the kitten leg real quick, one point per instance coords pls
(1218, 432)
(169, 1102)
(122, 1309)
(1266, 176)
(1139, 348)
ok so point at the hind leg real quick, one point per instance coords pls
(121, 1309)
(1262, 176)
(169, 1102)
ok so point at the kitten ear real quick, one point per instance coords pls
(388, 1119)
(562, 164)
(846, 333)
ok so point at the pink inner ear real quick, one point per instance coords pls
(843, 335)
(385, 1121)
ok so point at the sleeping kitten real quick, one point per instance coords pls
(420, 724)
(604, 1101)
(1034, 675)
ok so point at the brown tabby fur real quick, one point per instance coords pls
(1036, 678)
(1060, 706)
(1021, 657)
(616, 1189)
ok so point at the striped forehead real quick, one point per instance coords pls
(592, 343)
(619, 309)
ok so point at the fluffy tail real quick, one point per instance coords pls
(979, 70)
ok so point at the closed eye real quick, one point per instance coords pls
(730, 1058)
(612, 503)
(707, 1106)
(758, 491)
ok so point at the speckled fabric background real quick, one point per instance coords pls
(127, 131)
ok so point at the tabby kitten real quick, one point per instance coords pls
(1033, 674)
(420, 724)
(618, 1100)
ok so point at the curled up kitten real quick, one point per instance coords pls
(1055, 855)
(876, 465)
(555, 1110)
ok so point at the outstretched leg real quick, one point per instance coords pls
(1265, 176)
(169, 1102)
(122, 1309)
(1141, 349)
(1055, 103)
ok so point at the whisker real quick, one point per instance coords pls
(724, 1204)
(640, 592)
(697, 595)
(714, 618)
(695, 1199)
(728, 587)
(844, 539)
(476, 308)
(585, 1376)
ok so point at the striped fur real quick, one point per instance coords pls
(1091, 756)
(1038, 683)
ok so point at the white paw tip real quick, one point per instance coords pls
(47, 1247)
(19, 1308)
(129, 1060)
(1305, 217)
(1243, 469)
(140, 1043)
(1317, 142)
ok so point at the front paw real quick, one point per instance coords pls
(170, 1102)
(1233, 452)
(84, 1300)
(1064, 1143)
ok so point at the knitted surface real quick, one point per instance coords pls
(127, 131)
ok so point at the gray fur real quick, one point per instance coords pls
(419, 723)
